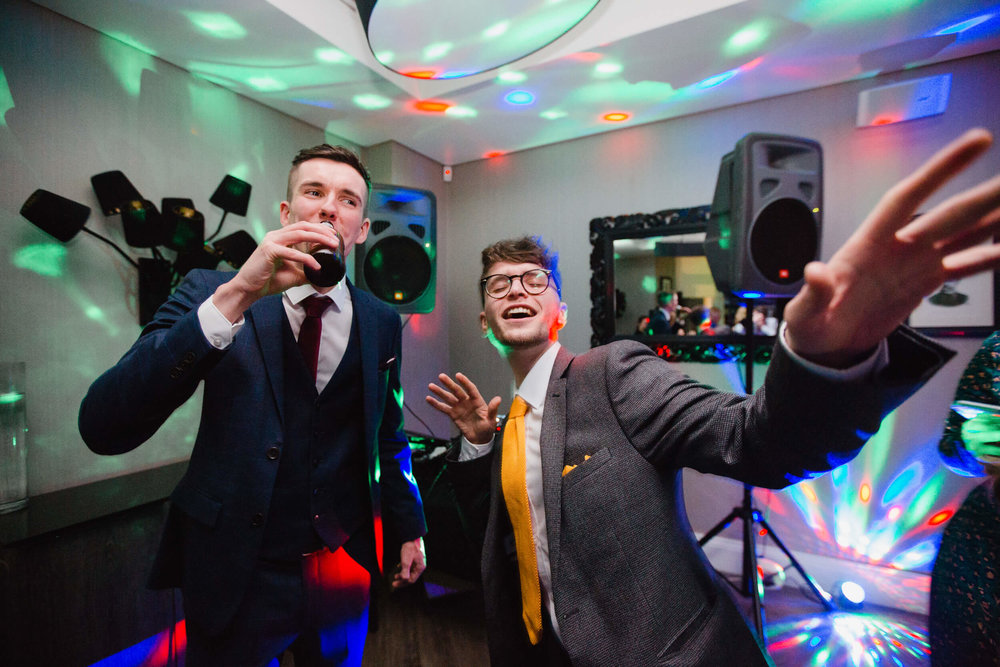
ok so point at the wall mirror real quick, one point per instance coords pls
(636, 257)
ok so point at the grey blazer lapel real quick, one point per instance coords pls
(266, 318)
(553, 447)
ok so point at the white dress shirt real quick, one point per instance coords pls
(336, 321)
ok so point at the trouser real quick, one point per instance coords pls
(317, 608)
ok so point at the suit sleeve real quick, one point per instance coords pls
(401, 504)
(797, 426)
(127, 404)
(980, 382)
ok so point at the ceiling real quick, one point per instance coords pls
(646, 60)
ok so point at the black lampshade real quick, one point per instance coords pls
(55, 215)
(236, 248)
(143, 225)
(186, 229)
(112, 189)
(232, 195)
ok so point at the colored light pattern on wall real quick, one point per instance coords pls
(216, 24)
(871, 512)
(847, 639)
(6, 99)
(128, 63)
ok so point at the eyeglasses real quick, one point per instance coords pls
(534, 282)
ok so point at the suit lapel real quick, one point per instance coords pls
(368, 334)
(553, 448)
(267, 319)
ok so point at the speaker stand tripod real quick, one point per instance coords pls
(750, 580)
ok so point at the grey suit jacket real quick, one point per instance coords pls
(630, 584)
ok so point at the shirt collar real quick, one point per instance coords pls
(339, 294)
(536, 383)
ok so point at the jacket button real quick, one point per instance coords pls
(272, 453)
(258, 519)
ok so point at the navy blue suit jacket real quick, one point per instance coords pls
(226, 492)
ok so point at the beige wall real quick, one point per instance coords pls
(556, 190)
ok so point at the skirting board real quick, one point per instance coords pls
(884, 586)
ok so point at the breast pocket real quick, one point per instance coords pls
(586, 468)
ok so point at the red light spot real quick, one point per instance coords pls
(422, 74)
(493, 154)
(753, 63)
(783, 273)
(866, 492)
(939, 518)
(433, 106)
(585, 56)
(883, 120)
(762, 533)
(616, 117)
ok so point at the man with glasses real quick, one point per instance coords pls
(588, 557)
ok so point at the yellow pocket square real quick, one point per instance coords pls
(568, 468)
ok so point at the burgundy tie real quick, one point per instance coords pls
(312, 329)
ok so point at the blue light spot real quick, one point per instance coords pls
(964, 25)
(717, 80)
(520, 97)
(749, 295)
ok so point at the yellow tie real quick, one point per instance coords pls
(515, 493)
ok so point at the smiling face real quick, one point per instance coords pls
(520, 321)
(323, 190)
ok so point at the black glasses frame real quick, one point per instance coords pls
(510, 283)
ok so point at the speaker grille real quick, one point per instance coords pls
(783, 240)
(397, 270)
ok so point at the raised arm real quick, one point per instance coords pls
(893, 261)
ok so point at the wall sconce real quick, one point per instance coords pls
(232, 196)
(180, 227)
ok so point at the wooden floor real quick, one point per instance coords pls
(441, 625)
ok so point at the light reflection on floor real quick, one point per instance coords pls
(847, 639)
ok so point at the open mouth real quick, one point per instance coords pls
(518, 313)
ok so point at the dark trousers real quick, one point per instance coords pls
(317, 608)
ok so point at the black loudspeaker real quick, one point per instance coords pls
(397, 261)
(60, 217)
(766, 216)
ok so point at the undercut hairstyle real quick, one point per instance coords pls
(337, 154)
(524, 250)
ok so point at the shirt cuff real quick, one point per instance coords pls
(472, 451)
(219, 332)
(878, 360)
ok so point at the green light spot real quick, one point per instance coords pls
(437, 50)
(385, 57)
(94, 313)
(649, 285)
(461, 112)
(496, 29)
(266, 84)
(332, 55)
(371, 101)
(10, 398)
(45, 259)
(553, 114)
(746, 39)
(511, 77)
(376, 259)
(607, 69)
(6, 99)
(127, 59)
(216, 24)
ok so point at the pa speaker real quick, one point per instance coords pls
(396, 263)
(766, 216)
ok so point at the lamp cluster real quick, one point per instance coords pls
(176, 226)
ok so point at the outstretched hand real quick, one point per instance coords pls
(884, 270)
(461, 400)
(981, 436)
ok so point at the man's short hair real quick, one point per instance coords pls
(524, 250)
(664, 298)
(337, 154)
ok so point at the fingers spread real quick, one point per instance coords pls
(956, 215)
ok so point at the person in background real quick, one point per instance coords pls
(274, 535)
(965, 580)
(588, 556)
(763, 323)
(712, 324)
